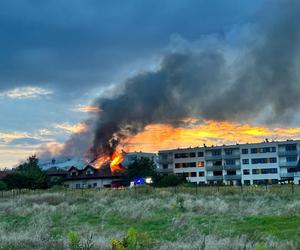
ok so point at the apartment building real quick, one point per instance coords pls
(251, 163)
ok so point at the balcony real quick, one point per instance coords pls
(233, 156)
(214, 168)
(165, 160)
(288, 164)
(232, 177)
(215, 178)
(287, 175)
(287, 153)
(213, 157)
(232, 167)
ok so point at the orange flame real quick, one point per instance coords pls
(99, 162)
(116, 160)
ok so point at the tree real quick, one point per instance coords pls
(143, 167)
(27, 175)
(169, 181)
(3, 186)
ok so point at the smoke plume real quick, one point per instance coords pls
(234, 77)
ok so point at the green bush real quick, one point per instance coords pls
(74, 241)
(3, 186)
(169, 181)
(132, 241)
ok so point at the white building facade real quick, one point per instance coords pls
(247, 164)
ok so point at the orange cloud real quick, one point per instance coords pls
(69, 128)
(160, 136)
(87, 109)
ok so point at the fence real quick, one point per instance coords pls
(287, 189)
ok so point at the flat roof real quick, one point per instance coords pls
(264, 143)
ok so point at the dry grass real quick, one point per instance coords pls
(184, 218)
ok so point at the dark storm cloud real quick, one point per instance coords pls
(72, 46)
(204, 83)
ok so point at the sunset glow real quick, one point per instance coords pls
(160, 136)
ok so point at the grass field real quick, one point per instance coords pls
(182, 218)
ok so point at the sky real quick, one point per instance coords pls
(57, 57)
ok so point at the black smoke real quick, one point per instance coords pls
(261, 78)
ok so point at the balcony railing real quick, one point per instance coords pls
(232, 167)
(287, 175)
(233, 156)
(215, 178)
(287, 153)
(214, 168)
(288, 164)
(232, 177)
(213, 157)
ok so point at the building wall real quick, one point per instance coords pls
(89, 183)
(256, 163)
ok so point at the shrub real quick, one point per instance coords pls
(74, 241)
(132, 241)
(3, 186)
(169, 181)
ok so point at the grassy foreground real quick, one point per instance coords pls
(182, 218)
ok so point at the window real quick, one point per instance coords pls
(246, 172)
(202, 173)
(292, 147)
(245, 151)
(263, 150)
(263, 160)
(230, 162)
(254, 150)
(193, 174)
(95, 184)
(273, 170)
(231, 172)
(177, 165)
(291, 158)
(292, 170)
(193, 154)
(217, 173)
(74, 173)
(228, 151)
(165, 166)
(185, 165)
(200, 163)
(216, 152)
(265, 171)
(77, 185)
(185, 174)
(200, 154)
(89, 172)
(245, 161)
(217, 163)
(192, 164)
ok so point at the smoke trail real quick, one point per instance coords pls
(262, 78)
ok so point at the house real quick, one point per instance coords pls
(90, 177)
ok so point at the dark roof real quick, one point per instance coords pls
(101, 173)
(54, 171)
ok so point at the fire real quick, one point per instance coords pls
(99, 162)
(116, 160)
